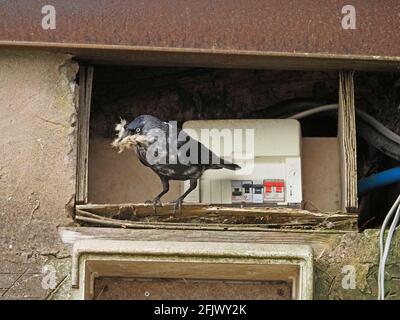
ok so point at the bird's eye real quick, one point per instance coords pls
(137, 130)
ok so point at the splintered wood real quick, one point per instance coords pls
(209, 217)
(84, 101)
(347, 141)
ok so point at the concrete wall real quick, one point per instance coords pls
(37, 167)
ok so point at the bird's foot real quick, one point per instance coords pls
(156, 202)
(177, 206)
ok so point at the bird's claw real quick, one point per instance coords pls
(177, 205)
(156, 202)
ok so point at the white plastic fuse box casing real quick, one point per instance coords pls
(268, 150)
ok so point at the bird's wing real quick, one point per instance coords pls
(203, 154)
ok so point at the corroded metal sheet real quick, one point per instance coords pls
(292, 26)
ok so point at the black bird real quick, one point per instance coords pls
(157, 146)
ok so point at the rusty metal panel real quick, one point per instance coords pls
(291, 26)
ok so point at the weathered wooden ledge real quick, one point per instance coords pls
(210, 217)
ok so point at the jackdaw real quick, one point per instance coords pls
(169, 152)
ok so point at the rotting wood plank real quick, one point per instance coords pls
(347, 141)
(84, 101)
(203, 217)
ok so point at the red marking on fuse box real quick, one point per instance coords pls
(274, 186)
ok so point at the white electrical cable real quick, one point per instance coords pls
(312, 111)
(384, 247)
(367, 118)
(381, 244)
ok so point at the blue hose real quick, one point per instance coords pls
(378, 180)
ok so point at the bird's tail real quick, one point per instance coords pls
(229, 165)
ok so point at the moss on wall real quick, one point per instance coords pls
(361, 251)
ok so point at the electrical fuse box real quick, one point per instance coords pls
(266, 150)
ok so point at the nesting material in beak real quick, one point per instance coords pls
(129, 142)
(125, 141)
(120, 127)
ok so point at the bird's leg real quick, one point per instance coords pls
(156, 201)
(178, 202)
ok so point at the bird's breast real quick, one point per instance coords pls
(179, 171)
